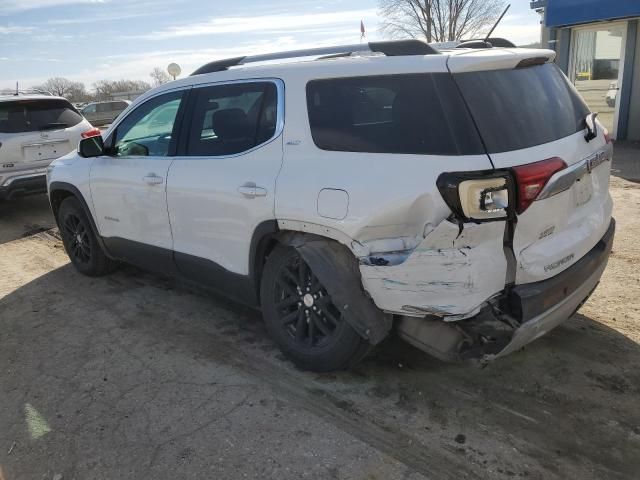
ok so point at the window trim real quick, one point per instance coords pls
(186, 125)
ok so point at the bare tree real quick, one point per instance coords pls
(439, 20)
(105, 88)
(159, 76)
(63, 87)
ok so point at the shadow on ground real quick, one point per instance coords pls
(24, 216)
(137, 376)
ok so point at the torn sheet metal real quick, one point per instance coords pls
(450, 274)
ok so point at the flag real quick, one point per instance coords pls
(362, 35)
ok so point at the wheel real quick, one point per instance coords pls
(80, 242)
(302, 319)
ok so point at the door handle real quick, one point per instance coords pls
(251, 190)
(153, 179)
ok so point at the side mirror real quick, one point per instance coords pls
(91, 147)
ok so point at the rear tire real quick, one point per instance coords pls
(302, 319)
(80, 242)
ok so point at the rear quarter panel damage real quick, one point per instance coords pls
(449, 274)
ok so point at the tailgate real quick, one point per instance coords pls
(528, 113)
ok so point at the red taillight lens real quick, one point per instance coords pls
(93, 132)
(532, 178)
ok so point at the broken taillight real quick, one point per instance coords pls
(92, 132)
(531, 179)
(480, 196)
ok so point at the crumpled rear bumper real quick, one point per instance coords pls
(544, 305)
(516, 318)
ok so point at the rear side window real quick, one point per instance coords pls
(35, 115)
(231, 119)
(523, 107)
(412, 114)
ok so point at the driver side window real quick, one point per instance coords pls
(149, 129)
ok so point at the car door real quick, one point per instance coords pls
(128, 186)
(221, 186)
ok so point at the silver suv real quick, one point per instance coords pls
(103, 113)
(34, 130)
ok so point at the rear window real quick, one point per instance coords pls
(34, 115)
(412, 114)
(523, 107)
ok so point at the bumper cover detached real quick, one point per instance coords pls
(23, 186)
(518, 317)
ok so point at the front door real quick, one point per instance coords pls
(596, 69)
(221, 187)
(128, 186)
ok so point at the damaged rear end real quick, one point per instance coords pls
(524, 243)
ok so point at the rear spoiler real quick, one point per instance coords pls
(498, 59)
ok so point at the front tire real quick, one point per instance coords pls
(80, 242)
(302, 319)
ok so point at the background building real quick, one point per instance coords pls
(598, 47)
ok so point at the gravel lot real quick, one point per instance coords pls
(135, 376)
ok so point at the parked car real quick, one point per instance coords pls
(442, 193)
(34, 130)
(612, 94)
(103, 113)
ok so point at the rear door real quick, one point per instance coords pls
(221, 186)
(33, 132)
(532, 121)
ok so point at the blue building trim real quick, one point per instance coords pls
(627, 80)
(560, 13)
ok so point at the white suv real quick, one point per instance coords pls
(460, 196)
(34, 130)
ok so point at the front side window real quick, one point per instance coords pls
(231, 119)
(89, 109)
(411, 114)
(149, 129)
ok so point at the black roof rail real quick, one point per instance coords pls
(390, 48)
(486, 43)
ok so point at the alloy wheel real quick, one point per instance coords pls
(77, 237)
(304, 307)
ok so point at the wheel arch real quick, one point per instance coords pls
(60, 191)
(336, 265)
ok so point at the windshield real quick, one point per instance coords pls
(34, 115)
(523, 107)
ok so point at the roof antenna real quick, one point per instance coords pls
(496, 24)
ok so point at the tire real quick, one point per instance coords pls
(80, 242)
(301, 318)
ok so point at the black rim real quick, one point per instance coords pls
(304, 307)
(77, 238)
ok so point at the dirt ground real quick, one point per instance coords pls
(134, 376)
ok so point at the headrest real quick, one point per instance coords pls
(231, 124)
(404, 106)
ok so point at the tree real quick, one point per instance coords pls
(439, 20)
(63, 87)
(159, 76)
(106, 88)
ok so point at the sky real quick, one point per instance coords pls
(90, 40)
